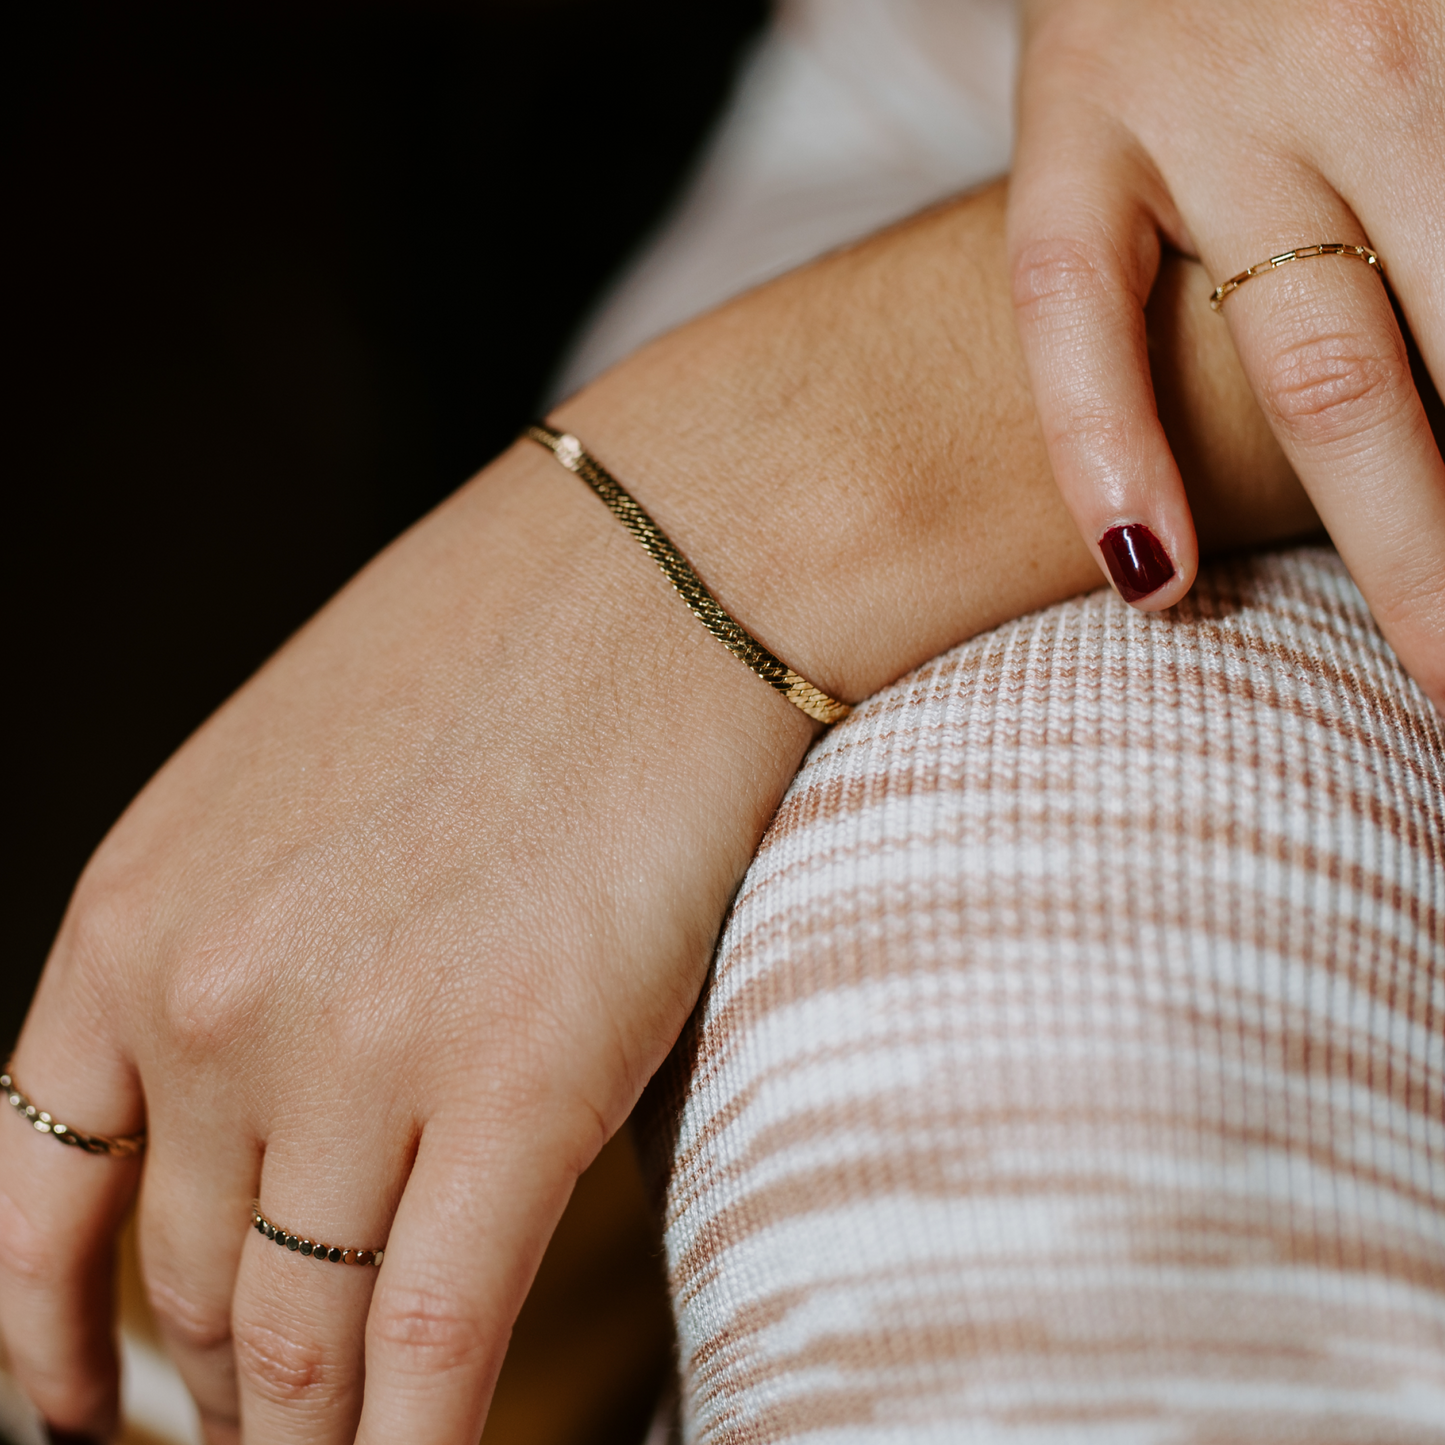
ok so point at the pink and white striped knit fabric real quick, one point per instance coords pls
(1073, 1064)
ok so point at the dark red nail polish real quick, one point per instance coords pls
(70, 1437)
(1137, 562)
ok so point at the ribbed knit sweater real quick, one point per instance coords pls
(1072, 1068)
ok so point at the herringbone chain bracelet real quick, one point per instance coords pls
(689, 586)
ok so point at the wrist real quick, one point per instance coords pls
(849, 457)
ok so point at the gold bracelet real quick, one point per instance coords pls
(688, 585)
(121, 1147)
(1300, 253)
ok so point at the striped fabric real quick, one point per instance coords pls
(1073, 1065)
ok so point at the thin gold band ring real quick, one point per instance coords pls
(1300, 253)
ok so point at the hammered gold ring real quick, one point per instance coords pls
(312, 1249)
(1300, 253)
(118, 1147)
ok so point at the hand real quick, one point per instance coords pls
(1235, 131)
(393, 943)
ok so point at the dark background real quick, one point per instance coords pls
(279, 279)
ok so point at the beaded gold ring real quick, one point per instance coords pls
(311, 1248)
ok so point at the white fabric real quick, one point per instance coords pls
(1072, 1071)
(851, 114)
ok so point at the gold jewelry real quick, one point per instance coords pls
(121, 1147)
(307, 1247)
(688, 585)
(1300, 253)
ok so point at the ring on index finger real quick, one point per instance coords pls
(1300, 253)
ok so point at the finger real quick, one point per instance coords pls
(1417, 277)
(1416, 274)
(60, 1209)
(199, 1181)
(1396, 190)
(1320, 344)
(1083, 229)
(466, 1243)
(299, 1320)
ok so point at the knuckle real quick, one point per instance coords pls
(62, 1391)
(105, 917)
(423, 1331)
(1095, 442)
(282, 1367)
(1383, 44)
(37, 1263)
(1330, 389)
(28, 1255)
(1057, 275)
(192, 1323)
(206, 1004)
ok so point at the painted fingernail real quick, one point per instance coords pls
(1137, 560)
(70, 1437)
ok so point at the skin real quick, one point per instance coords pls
(395, 940)
(1234, 131)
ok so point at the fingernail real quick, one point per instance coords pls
(1137, 561)
(70, 1437)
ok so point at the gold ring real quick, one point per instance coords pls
(119, 1147)
(310, 1248)
(1300, 253)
